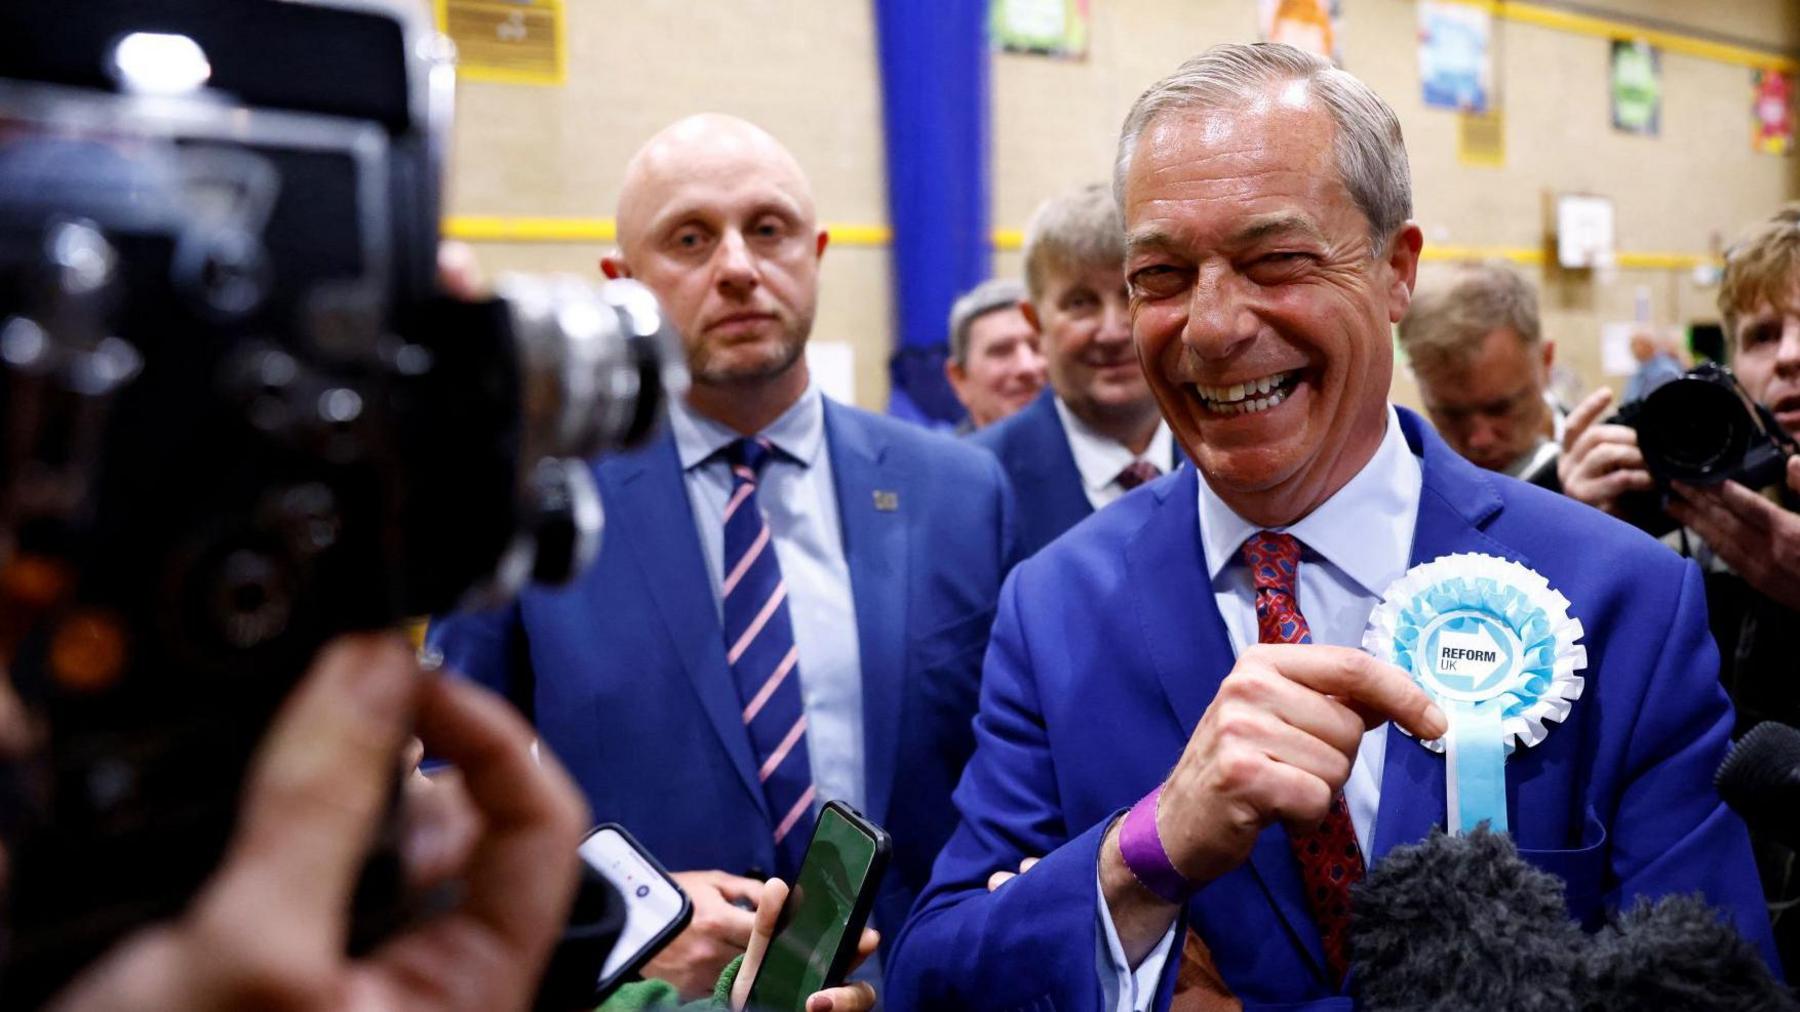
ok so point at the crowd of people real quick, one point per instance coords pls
(1096, 662)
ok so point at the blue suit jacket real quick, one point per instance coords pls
(1109, 647)
(1034, 451)
(624, 672)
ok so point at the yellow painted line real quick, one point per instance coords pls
(1608, 28)
(489, 228)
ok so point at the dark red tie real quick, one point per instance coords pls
(1330, 860)
(1136, 473)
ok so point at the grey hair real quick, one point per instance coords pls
(990, 296)
(1448, 321)
(1371, 153)
(1081, 228)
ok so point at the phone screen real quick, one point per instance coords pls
(816, 916)
(652, 903)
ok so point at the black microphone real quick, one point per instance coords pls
(1760, 780)
(1463, 922)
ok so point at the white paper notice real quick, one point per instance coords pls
(1615, 348)
(833, 366)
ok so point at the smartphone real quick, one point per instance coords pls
(656, 910)
(826, 911)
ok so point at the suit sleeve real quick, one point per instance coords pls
(487, 647)
(1030, 943)
(1672, 833)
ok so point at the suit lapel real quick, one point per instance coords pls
(1455, 501)
(1054, 489)
(663, 540)
(1189, 647)
(875, 546)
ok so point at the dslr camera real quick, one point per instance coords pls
(242, 418)
(1701, 429)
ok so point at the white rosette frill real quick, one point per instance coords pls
(1541, 685)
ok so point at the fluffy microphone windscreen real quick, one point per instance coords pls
(1462, 923)
(1679, 953)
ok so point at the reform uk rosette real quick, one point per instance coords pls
(1493, 644)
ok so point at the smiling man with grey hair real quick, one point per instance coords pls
(1182, 752)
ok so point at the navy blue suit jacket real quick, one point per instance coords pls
(625, 670)
(1034, 451)
(1108, 648)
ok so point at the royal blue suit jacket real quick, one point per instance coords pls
(1034, 451)
(624, 672)
(1109, 647)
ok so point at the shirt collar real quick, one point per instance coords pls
(1099, 458)
(1365, 529)
(798, 433)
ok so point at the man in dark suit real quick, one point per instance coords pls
(792, 596)
(1483, 366)
(1094, 434)
(1175, 716)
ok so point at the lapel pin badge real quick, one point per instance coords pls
(887, 502)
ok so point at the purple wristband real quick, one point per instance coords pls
(1143, 851)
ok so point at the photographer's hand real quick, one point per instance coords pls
(1601, 462)
(1755, 537)
(268, 930)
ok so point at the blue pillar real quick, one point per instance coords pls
(934, 88)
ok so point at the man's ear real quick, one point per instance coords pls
(613, 266)
(1549, 356)
(1403, 261)
(823, 241)
(1031, 315)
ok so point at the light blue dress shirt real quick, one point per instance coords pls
(1355, 544)
(798, 497)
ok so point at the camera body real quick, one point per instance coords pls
(240, 419)
(1701, 429)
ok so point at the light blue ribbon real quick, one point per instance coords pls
(1475, 765)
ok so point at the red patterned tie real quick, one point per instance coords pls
(1330, 860)
(1136, 473)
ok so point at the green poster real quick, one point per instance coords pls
(1636, 88)
(1046, 27)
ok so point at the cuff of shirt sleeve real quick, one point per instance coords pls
(1122, 988)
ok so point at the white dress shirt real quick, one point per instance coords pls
(798, 497)
(1100, 458)
(1354, 545)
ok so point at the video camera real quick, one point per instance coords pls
(1701, 429)
(241, 418)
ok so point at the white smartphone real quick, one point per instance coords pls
(656, 910)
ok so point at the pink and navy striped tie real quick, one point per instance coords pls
(759, 645)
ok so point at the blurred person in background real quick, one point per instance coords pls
(995, 366)
(1482, 364)
(1095, 434)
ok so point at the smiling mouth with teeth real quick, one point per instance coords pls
(1248, 398)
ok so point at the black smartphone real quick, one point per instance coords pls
(656, 910)
(826, 911)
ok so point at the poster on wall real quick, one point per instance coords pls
(521, 42)
(1456, 63)
(1636, 86)
(1772, 111)
(1311, 25)
(1045, 27)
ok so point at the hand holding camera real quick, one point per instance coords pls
(269, 928)
(1756, 538)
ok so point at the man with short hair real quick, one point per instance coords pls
(1483, 365)
(1185, 664)
(792, 596)
(995, 366)
(1095, 433)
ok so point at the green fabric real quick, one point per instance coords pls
(660, 995)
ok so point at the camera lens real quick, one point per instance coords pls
(1693, 430)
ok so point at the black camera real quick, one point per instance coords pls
(1701, 429)
(241, 418)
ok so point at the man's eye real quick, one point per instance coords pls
(1157, 281)
(689, 239)
(1273, 268)
(1760, 335)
